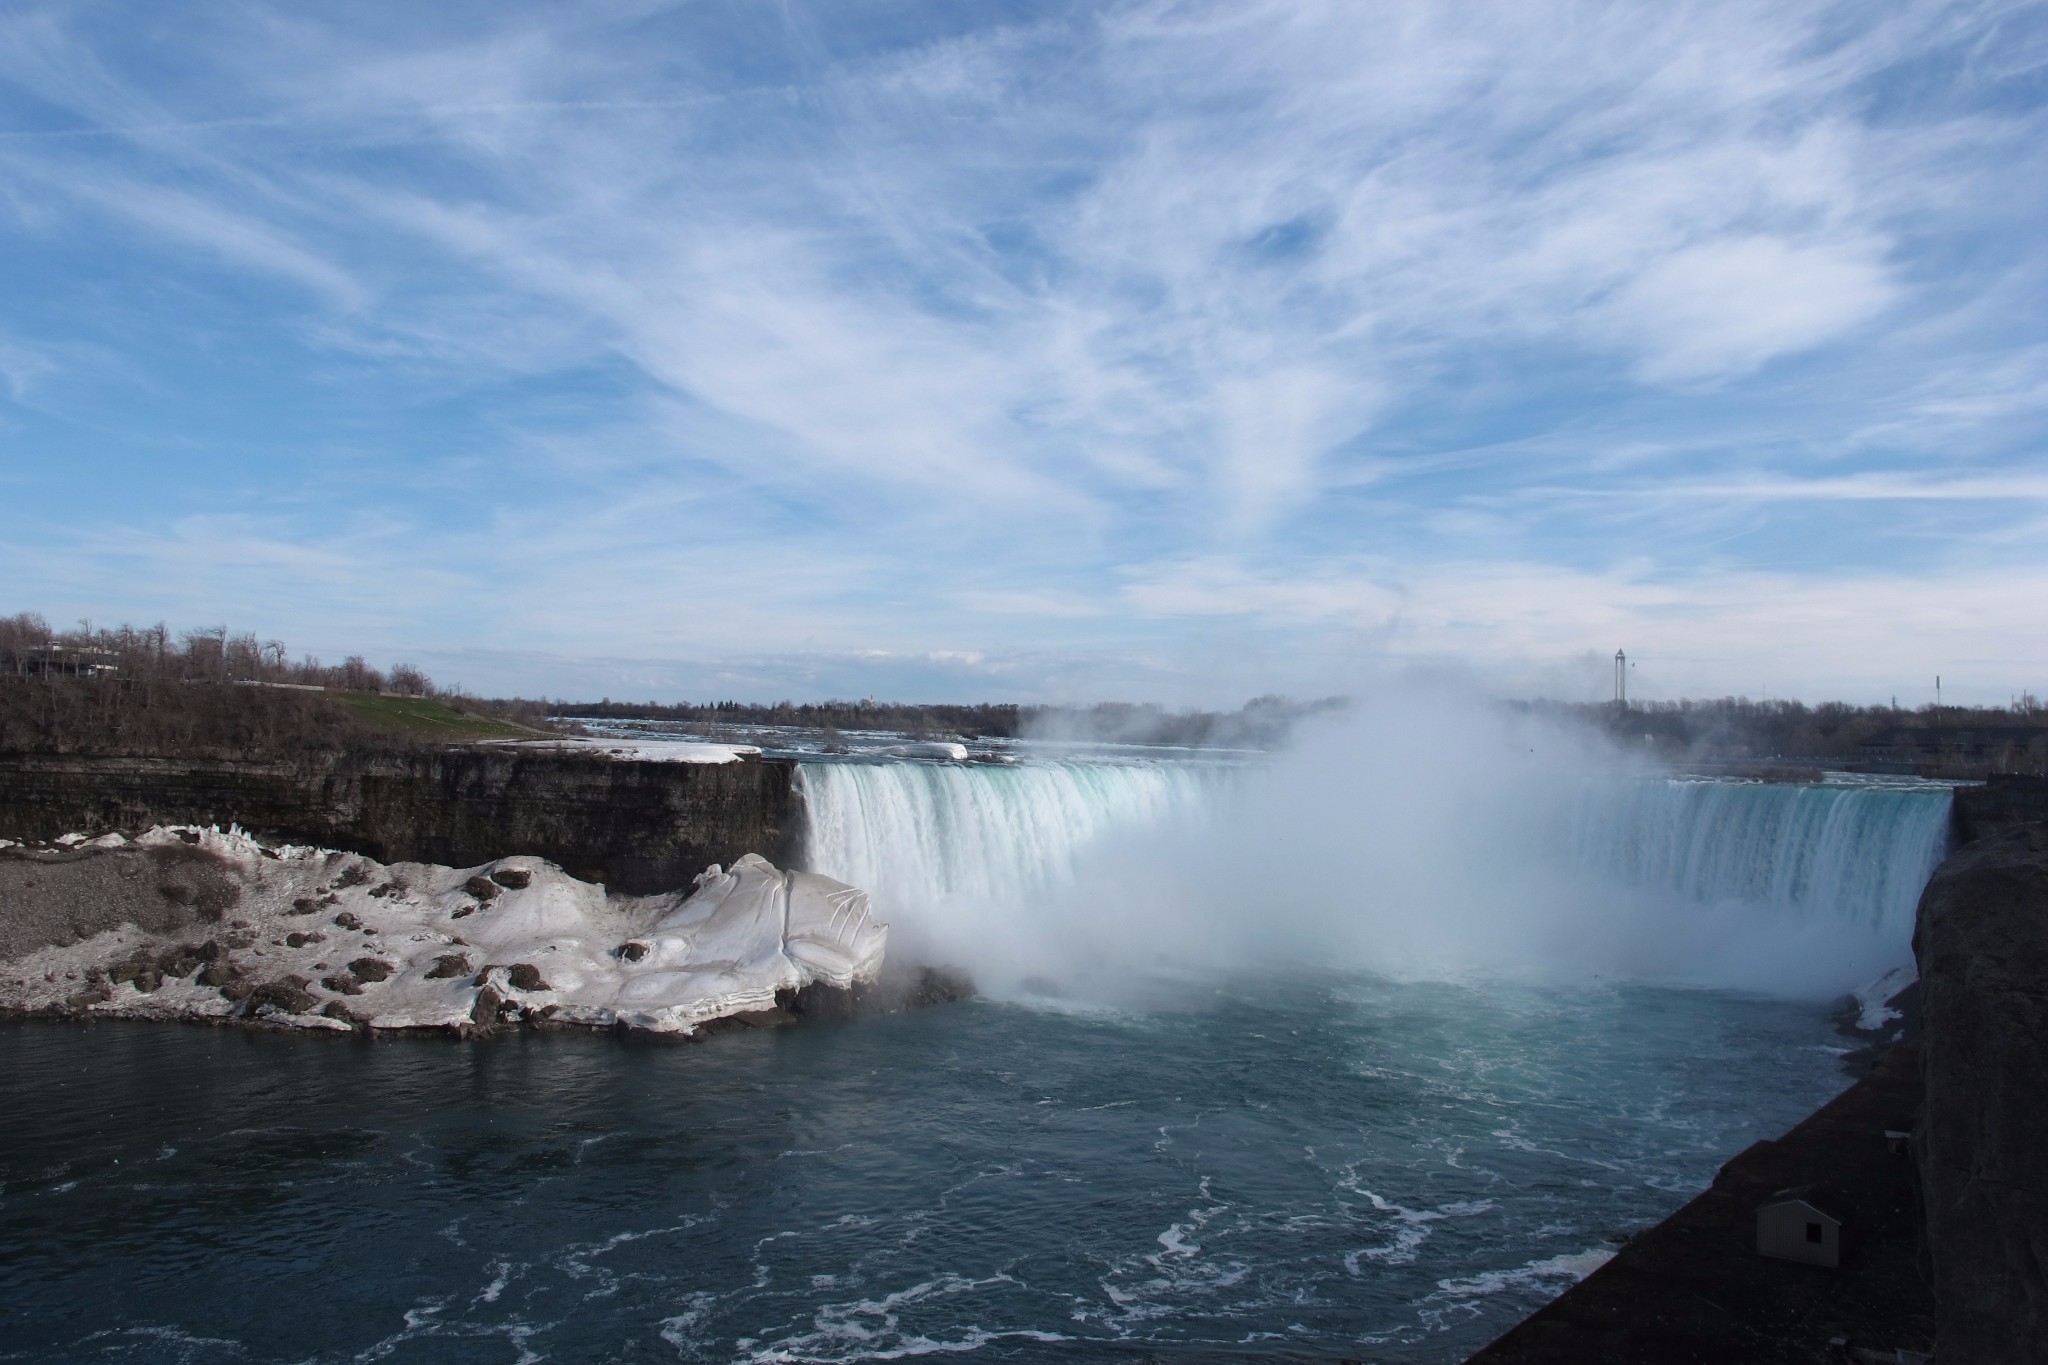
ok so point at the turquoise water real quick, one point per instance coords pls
(1393, 1157)
(1267, 1166)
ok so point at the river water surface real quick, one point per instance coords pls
(1269, 1166)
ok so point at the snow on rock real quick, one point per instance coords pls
(943, 750)
(326, 940)
(1873, 999)
(642, 750)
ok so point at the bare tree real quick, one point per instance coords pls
(409, 681)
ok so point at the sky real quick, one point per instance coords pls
(1039, 352)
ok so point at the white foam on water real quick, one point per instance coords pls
(1570, 1266)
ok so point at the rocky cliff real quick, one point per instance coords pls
(2001, 802)
(637, 827)
(1982, 943)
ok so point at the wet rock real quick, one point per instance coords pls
(149, 980)
(448, 966)
(90, 996)
(490, 1009)
(370, 969)
(217, 974)
(334, 1009)
(633, 950)
(483, 888)
(514, 878)
(524, 976)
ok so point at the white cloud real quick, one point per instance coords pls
(1129, 320)
(1727, 307)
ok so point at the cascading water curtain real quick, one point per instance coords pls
(923, 835)
(1857, 855)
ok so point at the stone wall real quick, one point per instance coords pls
(637, 827)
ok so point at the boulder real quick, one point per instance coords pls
(483, 888)
(369, 969)
(514, 878)
(450, 965)
(289, 995)
(524, 976)
(490, 1008)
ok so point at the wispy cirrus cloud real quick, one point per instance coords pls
(1028, 334)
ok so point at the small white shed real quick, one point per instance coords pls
(1793, 1228)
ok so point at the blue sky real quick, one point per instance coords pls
(1056, 351)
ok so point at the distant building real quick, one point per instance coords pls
(62, 661)
(1793, 1228)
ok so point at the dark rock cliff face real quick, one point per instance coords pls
(2003, 801)
(1982, 942)
(637, 827)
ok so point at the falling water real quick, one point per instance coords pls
(925, 835)
(1856, 854)
(1789, 888)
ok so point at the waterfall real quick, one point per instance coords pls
(1587, 870)
(1853, 854)
(924, 835)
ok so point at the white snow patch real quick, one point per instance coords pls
(943, 750)
(1871, 998)
(664, 963)
(643, 750)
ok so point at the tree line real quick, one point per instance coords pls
(147, 691)
(1957, 740)
(132, 690)
(1263, 722)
